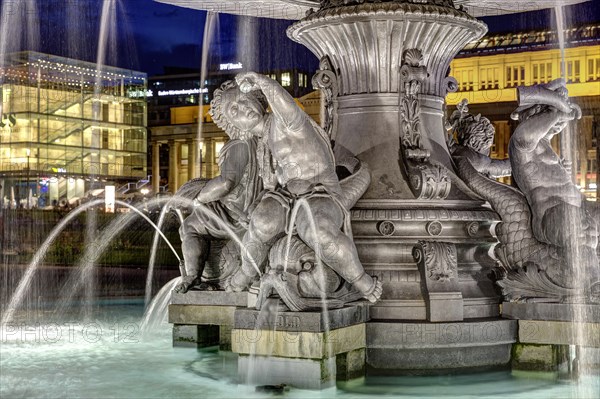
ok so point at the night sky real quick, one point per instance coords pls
(145, 35)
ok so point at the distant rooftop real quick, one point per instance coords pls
(27, 65)
(532, 40)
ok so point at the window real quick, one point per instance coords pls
(573, 73)
(542, 72)
(273, 76)
(302, 80)
(515, 75)
(218, 147)
(286, 79)
(593, 69)
(465, 79)
(489, 78)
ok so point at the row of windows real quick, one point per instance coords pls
(515, 75)
(286, 79)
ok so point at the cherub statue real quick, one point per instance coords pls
(475, 135)
(304, 165)
(230, 195)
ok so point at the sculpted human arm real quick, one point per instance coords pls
(498, 168)
(281, 102)
(529, 132)
(485, 165)
(233, 163)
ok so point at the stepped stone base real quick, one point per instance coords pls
(424, 347)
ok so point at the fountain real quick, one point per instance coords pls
(439, 252)
(420, 227)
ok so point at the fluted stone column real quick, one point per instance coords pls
(155, 167)
(173, 165)
(192, 158)
(210, 157)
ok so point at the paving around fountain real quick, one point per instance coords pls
(375, 253)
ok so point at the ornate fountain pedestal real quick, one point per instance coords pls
(418, 228)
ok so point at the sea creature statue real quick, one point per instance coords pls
(547, 237)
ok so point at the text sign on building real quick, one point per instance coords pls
(184, 92)
(230, 66)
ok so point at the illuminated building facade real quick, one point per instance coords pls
(489, 70)
(68, 126)
(175, 101)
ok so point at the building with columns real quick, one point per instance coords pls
(180, 147)
(488, 72)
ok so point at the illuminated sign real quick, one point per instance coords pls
(109, 199)
(181, 92)
(229, 66)
(140, 93)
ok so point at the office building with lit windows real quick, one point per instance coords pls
(489, 70)
(68, 126)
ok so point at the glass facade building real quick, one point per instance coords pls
(67, 125)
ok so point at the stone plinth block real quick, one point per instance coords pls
(440, 346)
(437, 263)
(530, 357)
(350, 365)
(551, 312)
(559, 333)
(213, 298)
(300, 373)
(195, 336)
(251, 319)
(201, 314)
(298, 344)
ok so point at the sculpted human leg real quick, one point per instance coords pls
(337, 250)
(195, 245)
(267, 223)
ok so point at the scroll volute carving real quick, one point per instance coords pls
(428, 180)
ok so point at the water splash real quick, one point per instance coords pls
(155, 314)
(24, 284)
(566, 137)
(231, 234)
(147, 219)
(93, 252)
(153, 251)
(211, 25)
